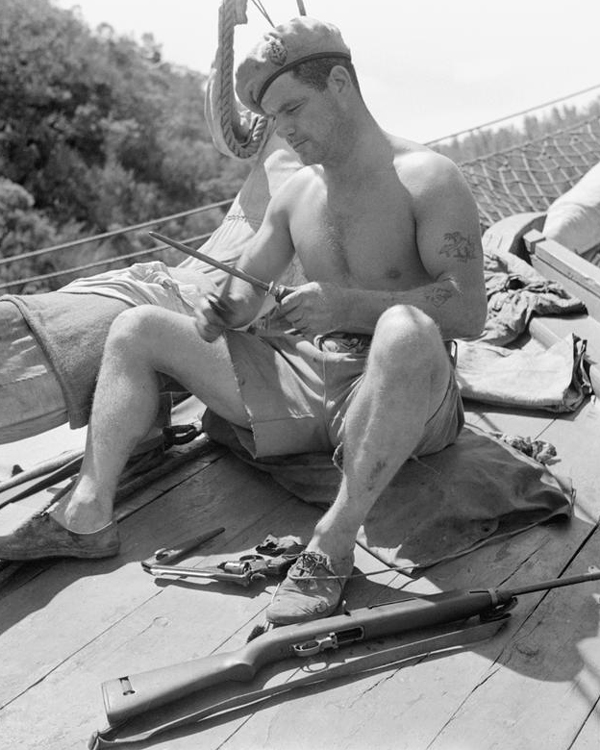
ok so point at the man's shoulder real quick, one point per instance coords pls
(428, 175)
(305, 178)
(431, 179)
(424, 165)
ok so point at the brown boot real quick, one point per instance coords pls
(313, 589)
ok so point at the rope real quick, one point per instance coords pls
(105, 263)
(258, 4)
(530, 176)
(229, 120)
(114, 232)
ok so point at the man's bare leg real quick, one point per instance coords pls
(141, 343)
(405, 382)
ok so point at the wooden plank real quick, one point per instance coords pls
(557, 263)
(217, 734)
(426, 696)
(408, 708)
(46, 606)
(506, 235)
(589, 736)
(176, 625)
(179, 464)
(128, 632)
(151, 629)
(577, 439)
(543, 687)
(137, 639)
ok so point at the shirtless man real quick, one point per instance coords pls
(388, 236)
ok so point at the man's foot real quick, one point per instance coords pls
(313, 589)
(41, 536)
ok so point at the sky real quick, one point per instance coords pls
(428, 68)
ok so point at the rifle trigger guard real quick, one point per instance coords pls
(316, 645)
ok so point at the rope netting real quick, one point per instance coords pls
(528, 177)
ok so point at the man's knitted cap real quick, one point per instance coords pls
(281, 49)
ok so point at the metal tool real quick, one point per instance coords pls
(163, 556)
(245, 571)
(278, 291)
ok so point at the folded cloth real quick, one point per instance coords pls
(30, 394)
(437, 507)
(151, 283)
(516, 292)
(477, 491)
(71, 329)
(553, 379)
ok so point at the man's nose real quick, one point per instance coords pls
(284, 126)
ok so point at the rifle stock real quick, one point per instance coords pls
(129, 696)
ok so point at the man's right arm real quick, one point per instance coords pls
(265, 258)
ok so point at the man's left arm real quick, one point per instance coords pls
(449, 245)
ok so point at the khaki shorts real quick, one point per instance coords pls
(297, 393)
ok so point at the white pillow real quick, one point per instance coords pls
(574, 218)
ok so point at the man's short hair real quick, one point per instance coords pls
(315, 73)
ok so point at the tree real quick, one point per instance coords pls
(97, 129)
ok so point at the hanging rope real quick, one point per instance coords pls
(258, 4)
(242, 145)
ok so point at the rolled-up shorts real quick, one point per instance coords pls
(297, 393)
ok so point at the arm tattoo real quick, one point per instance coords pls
(456, 245)
(438, 296)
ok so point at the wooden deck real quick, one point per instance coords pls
(68, 626)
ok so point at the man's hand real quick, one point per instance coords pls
(315, 307)
(211, 313)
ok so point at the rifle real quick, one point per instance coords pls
(129, 696)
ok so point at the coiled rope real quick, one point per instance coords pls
(241, 143)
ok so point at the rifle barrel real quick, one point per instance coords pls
(554, 583)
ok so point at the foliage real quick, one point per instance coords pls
(482, 142)
(20, 225)
(98, 132)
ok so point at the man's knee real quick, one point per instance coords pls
(406, 337)
(132, 328)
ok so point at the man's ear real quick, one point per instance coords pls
(339, 79)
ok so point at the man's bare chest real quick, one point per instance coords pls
(366, 241)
